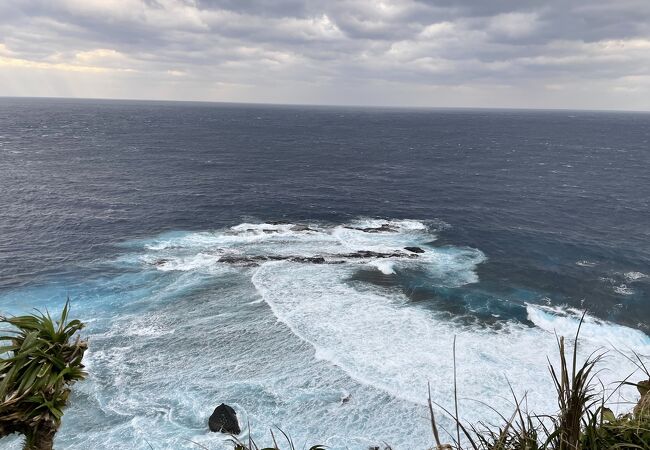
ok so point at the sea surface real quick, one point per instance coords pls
(254, 255)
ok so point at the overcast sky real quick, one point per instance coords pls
(484, 53)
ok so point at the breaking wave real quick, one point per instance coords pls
(282, 320)
(373, 332)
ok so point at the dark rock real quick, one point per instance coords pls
(253, 260)
(383, 228)
(224, 420)
(372, 254)
(237, 259)
(308, 259)
(301, 228)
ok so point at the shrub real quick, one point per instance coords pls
(39, 361)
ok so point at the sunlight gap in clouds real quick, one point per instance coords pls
(321, 52)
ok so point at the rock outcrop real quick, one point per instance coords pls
(301, 227)
(224, 420)
(254, 260)
(383, 228)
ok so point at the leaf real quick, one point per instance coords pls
(608, 415)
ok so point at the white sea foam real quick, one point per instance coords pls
(201, 251)
(623, 289)
(564, 322)
(585, 263)
(187, 263)
(384, 266)
(633, 276)
(161, 364)
(381, 341)
(402, 225)
(262, 227)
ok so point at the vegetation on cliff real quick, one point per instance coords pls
(40, 358)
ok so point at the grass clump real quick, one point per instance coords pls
(40, 358)
(582, 422)
(251, 445)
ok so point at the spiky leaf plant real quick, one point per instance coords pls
(40, 358)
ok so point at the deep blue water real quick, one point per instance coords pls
(545, 208)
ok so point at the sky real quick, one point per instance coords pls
(576, 54)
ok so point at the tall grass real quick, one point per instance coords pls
(581, 422)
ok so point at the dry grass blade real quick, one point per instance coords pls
(432, 417)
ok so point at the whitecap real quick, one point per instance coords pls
(384, 266)
(323, 332)
(381, 341)
(565, 322)
(634, 276)
(623, 289)
(585, 263)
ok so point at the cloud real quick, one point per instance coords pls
(420, 52)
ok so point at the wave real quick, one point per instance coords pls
(284, 319)
(374, 333)
(634, 276)
(381, 341)
(377, 243)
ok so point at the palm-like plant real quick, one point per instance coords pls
(39, 361)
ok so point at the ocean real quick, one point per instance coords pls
(255, 255)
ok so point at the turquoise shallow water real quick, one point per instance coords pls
(133, 210)
(285, 341)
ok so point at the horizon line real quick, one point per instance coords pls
(326, 105)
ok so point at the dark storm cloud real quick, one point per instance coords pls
(473, 44)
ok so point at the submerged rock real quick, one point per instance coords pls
(253, 260)
(308, 259)
(383, 228)
(300, 227)
(224, 420)
(336, 258)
